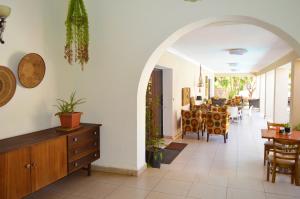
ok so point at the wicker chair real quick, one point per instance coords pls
(268, 145)
(284, 159)
(191, 122)
(217, 123)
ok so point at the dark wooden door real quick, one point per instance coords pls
(155, 92)
(15, 174)
(49, 162)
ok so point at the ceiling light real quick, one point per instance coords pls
(233, 64)
(4, 12)
(237, 51)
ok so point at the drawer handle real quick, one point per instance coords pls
(27, 166)
(95, 143)
(75, 139)
(95, 155)
(76, 164)
(95, 133)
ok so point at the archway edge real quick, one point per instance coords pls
(154, 58)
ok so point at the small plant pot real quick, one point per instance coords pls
(70, 120)
(287, 129)
(154, 158)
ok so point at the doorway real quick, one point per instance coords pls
(154, 97)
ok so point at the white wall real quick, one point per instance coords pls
(270, 92)
(185, 74)
(124, 34)
(262, 95)
(29, 29)
(282, 113)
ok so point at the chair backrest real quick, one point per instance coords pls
(233, 111)
(191, 120)
(217, 123)
(274, 126)
(286, 150)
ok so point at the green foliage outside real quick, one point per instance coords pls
(234, 84)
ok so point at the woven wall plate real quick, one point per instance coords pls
(31, 70)
(7, 85)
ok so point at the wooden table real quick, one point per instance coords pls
(273, 134)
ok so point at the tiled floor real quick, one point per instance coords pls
(203, 170)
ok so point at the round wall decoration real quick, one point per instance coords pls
(7, 85)
(31, 70)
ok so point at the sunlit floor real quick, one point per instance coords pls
(212, 170)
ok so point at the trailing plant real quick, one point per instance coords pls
(77, 33)
(68, 106)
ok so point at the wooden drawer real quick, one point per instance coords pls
(83, 149)
(77, 139)
(78, 164)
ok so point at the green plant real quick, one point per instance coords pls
(287, 125)
(154, 142)
(69, 106)
(77, 33)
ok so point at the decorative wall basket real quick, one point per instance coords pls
(31, 70)
(7, 85)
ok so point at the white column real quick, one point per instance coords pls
(262, 95)
(270, 91)
(281, 111)
(295, 103)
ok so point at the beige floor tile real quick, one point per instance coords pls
(181, 176)
(97, 190)
(213, 180)
(128, 193)
(144, 182)
(277, 196)
(157, 195)
(46, 194)
(173, 187)
(246, 183)
(205, 191)
(244, 194)
(282, 189)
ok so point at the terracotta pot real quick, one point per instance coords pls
(70, 120)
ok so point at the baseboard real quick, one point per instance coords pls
(119, 170)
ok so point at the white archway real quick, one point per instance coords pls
(154, 58)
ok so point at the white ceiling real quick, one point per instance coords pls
(207, 46)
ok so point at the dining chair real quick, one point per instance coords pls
(268, 145)
(284, 159)
(191, 122)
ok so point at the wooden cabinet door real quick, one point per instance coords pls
(49, 162)
(15, 182)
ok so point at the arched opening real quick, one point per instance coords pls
(152, 61)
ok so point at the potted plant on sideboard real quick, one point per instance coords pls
(287, 128)
(69, 119)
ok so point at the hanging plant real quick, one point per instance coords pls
(77, 36)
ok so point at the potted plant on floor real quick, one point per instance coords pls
(69, 119)
(154, 142)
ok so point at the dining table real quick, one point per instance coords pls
(275, 134)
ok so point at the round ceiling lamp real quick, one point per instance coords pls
(237, 51)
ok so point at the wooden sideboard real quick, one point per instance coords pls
(32, 161)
